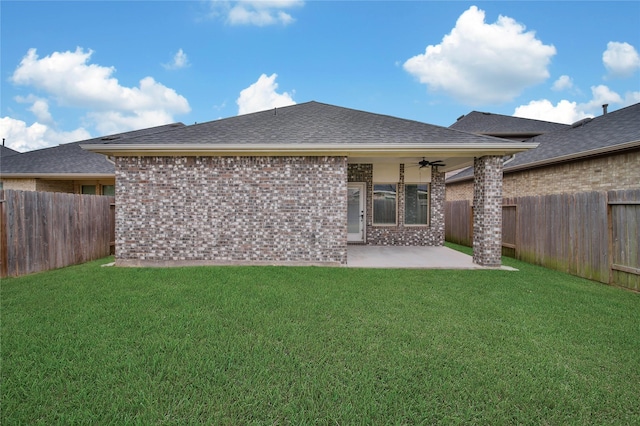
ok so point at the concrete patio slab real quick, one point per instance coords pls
(411, 257)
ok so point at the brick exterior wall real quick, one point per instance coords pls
(605, 173)
(55, 186)
(19, 184)
(460, 191)
(401, 234)
(231, 210)
(487, 207)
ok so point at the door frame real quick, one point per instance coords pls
(362, 186)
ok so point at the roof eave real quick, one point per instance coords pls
(58, 176)
(562, 159)
(348, 150)
(575, 156)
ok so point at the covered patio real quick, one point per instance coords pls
(412, 257)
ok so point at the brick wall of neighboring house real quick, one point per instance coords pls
(401, 234)
(19, 184)
(460, 190)
(55, 186)
(605, 173)
(231, 210)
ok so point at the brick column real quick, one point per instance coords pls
(487, 210)
(437, 205)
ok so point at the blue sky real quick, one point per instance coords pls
(81, 69)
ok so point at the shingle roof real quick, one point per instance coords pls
(70, 158)
(309, 123)
(7, 152)
(487, 123)
(611, 132)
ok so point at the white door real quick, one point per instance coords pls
(355, 212)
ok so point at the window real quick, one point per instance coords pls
(89, 189)
(384, 204)
(108, 190)
(416, 204)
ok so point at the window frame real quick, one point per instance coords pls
(428, 221)
(95, 189)
(373, 204)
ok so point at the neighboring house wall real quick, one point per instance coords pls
(401, 234)
(605, 173)
(55, 185)
(49, 185)
(460, 190)
(19, 184)
(231, 210)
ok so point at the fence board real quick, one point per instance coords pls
(46, 230)
(458, 223)
(625, 230)
(591, 234)
(509, 230)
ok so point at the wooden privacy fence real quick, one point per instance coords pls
(47, 230)
(593, 235)
(458, 220)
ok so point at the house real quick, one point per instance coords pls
(602, 153)
(66, 167)
(4, 154)
(504, 126)
(295, 185)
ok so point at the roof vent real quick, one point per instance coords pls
(110, 138)
(604, 109)
(460, 118)
(581, 122)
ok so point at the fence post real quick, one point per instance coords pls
(4, 271)
(609, 238)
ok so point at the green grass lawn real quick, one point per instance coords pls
(290, 345)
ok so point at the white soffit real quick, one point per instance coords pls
(386, 173)
(413, 173)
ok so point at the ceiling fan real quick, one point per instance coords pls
(425, 163)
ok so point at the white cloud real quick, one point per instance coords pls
(180, 60)
(69, 80)
(39, 108)
(22, 137)
(255, 12)
(262, 95)
(564, 82)
(480, 63)
(569, 112)
(601, 94)
(564, 112)
(621, 59)
(631, 98)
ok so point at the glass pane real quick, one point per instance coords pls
(353, 211)
(108, 190)
(416, 204)
(384, 204)
(89, 189)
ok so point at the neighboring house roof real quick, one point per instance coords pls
(311, 128)
(69, 159)
(7, 152)
(616, 131)
(486, 123)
